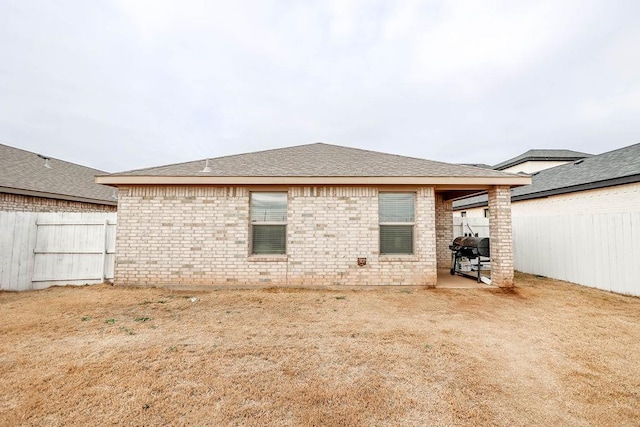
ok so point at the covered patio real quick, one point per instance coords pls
(499, 231)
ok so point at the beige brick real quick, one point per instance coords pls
(20, 203)
(444, 231)
(501, 236)
(328, 229)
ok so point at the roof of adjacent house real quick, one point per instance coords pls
(478, 165)
(311, 161)
(621, 166)
(544, 154)
(23, 172)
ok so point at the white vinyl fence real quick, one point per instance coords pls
(38, 249)
(470, 226)
(597, 250)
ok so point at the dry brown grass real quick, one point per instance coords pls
(548, 353)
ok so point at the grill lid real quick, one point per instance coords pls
(476, 245)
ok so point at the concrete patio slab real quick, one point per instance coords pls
(447, 281)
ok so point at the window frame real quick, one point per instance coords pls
(407, 224)
(253, 223)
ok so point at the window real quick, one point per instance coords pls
(268, 223)
(463, 214)
(486, 212)
(396, 215)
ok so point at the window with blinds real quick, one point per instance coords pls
(396, 216)
(268, 223)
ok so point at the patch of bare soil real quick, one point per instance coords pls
(548, 353)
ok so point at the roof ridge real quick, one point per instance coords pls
(539, 153)
(226, 156)
(303, 146)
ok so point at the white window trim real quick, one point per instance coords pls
(262, 256)
(399, 257)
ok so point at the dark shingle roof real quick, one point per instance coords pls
(616, 164)
(316, 160)
(547, 154)
(23, 172)
(478, 165)
(612, 168)
(471, 202)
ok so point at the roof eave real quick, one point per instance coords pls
(631, 179)
(118, 180)
(45, 195)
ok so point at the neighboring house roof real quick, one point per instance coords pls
(478, 165)
(542, 155)
(621, 166)
(471, 202)
(23, 172)
(311, 163)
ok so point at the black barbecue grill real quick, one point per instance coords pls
(470, 248)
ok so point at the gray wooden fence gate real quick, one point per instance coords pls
(39, 249)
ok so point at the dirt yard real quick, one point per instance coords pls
(548, 353)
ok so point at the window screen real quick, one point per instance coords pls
(268, 223)
(396, 215)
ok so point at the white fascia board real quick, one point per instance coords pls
(312, 180)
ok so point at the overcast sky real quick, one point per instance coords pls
(119, 85)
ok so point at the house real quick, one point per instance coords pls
(35, 183)
(537, 160)
(579, 221)
(529, 162)
(310, 215)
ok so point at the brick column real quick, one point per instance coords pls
(425, 229)
(501, 238)
(444, 231)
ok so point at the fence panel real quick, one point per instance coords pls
(596, 250)
(38, 250)
(17, 240)
(470, 225)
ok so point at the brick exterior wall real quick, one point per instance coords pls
(501, 236)
(20, 203)
(444, 230)
(200, 235)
